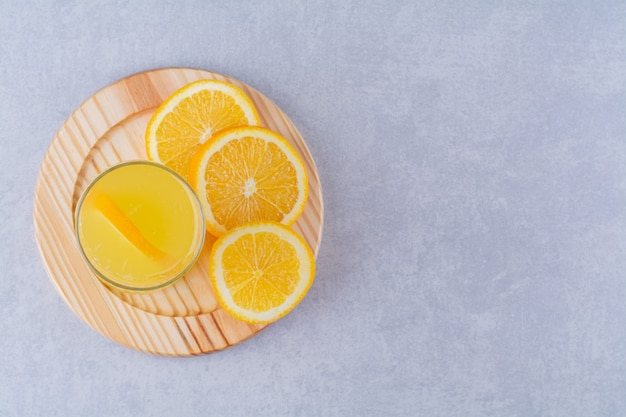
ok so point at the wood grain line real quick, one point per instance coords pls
(198, 327)
(192, 346)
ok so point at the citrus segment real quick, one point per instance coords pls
(192, 115)
(248, 174)
(261, 271)
(125, 226)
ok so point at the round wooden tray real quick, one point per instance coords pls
(108, 128)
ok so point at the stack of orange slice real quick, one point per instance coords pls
(253, 185)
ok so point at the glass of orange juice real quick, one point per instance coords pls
(139, 226)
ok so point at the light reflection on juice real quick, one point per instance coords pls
(140, 226)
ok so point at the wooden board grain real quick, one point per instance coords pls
(108, 128)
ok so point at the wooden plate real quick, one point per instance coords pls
(108, 128)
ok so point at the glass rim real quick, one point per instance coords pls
(194, 201)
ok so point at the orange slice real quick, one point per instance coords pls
(118, 219)
(192, 115)
(248, 174)
(261, 271)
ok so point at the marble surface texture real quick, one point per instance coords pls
(473, 161)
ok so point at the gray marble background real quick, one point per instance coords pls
(473, 160)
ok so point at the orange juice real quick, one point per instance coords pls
(140, 226)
